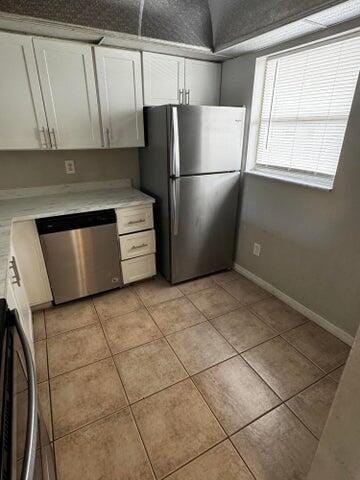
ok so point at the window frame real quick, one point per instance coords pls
(313, 180)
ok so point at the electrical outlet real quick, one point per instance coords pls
(257, 249)
(70, 167)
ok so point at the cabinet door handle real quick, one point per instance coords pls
(52, 132)
(16, 276)
(108, 137)
(134, 247)
(181, 96)
(134, 222)
(44, 144)
(187, 97)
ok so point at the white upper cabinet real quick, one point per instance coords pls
(120, 97)
(22, 118)
(202, 82)
(163, 79)
(67, 81)
(177, 80)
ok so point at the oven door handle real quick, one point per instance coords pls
(28, 463)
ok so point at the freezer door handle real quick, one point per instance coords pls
(175, 203)
(175, 148)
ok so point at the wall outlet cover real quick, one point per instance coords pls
(257, 249)
(70, 167)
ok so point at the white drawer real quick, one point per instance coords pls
(134, 219)
(138, 268)
(137, 244)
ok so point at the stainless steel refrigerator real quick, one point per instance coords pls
(191, 165)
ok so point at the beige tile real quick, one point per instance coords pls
(214, 302)
(69, 316)
(41, 361)
(282, 367)
(156, 291)
(245, 291)
(176, 315)
(76, 348)
(84, 395)
(176, 425)
(235, 394)
(220, 463)
(277, 446)
(336, 374)
(196, 285)
(109, 449)
(312, 405)
(147, 369)
(323, 348)
(243, 329)
(200, 347)
(39, 325)
(278, 315)
(115, 303)
(130, 330)
(225, 277)
(45, 405)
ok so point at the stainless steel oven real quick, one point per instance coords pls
(26, 452)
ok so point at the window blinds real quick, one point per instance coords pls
(306, 102)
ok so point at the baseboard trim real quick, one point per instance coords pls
(315, 317)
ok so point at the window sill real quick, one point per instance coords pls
(298, 179)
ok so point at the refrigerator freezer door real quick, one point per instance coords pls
(210, 139)
(203, 224)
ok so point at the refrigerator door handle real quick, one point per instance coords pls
(175, 203)
(175, 148)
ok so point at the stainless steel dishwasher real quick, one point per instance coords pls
(81, 253)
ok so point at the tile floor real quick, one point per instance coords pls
(211, 380)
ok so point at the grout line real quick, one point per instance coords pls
(142, 441)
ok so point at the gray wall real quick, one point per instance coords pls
(38, 168)
(310, 239)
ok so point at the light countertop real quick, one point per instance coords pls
(64, 201)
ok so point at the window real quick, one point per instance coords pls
(304, 109)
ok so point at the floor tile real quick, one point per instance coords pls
(323, 348)
(176, 315)
(76, 348)
(63, 318)
(41, 361)
(278, 315)
(235, 394)
(156, 291)
(214, 302)
(282, 367)
(85, 395)
(336, 374)
(225, 277)
(39, 325)
(220, 463)
(130, 330)
(200, 347)
(196, 285)
(245, 291)
(277, 446)
(43, 390)
(312, 406)
(109, 449)
(147, 369)
(243, 329)
(115, 303)
(176, 425)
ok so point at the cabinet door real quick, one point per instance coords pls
(202, 80)
(22, 119)
(163, 79)
(68, 84)
(120, 95)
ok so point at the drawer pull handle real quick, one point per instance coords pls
(133, 222)
(134, 247)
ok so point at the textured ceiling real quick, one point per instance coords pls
(205, 23)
